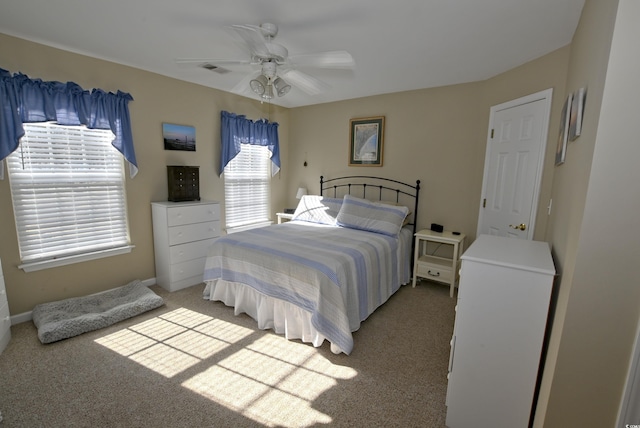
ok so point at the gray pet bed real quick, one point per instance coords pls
(71, 317)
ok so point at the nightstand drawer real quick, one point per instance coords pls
(435, 272)
(193, 232)
(192, 214)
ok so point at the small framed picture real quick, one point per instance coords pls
(575, 120)
(563, 134)
(366, 141)
(179, 137)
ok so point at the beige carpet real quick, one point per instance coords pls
(192, 363)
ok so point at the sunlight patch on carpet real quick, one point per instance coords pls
(271, 380)
(169, 344)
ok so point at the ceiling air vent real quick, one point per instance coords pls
(215, 68)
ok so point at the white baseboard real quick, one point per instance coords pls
(27, 316)
(23, 317)
(149, 282)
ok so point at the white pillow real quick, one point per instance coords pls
(317, 209)
(375, 217)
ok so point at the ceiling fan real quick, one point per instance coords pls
(276, 64)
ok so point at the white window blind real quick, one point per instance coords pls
(247, 187)
(67, 186)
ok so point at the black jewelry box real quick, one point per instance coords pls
(184, 183)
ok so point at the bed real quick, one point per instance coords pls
(320, 275)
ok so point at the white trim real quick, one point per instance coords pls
(62, 261)
(20, 318)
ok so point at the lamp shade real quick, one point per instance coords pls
(259, 85)
(301, 192)
(281, 86)
(268, 93)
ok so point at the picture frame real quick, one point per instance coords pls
(563, 134)
(179, 137)
(577, 109)
(366, 141)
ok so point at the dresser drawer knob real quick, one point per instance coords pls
(433, 273)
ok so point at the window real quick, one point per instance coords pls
(67, 187)
(247, 182)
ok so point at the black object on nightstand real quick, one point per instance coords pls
(289, 210)
(437, 227)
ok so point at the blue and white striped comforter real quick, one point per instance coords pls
(338, 275)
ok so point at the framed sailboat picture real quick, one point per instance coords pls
(366, 139)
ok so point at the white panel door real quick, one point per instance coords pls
(513, 166)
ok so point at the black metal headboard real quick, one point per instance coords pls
(378, 187)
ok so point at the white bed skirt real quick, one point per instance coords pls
(282, 317)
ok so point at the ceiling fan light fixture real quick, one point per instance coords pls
(259, 85)
(281, 86)
(268, 93)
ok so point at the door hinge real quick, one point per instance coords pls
(492, 133)
(484, 203)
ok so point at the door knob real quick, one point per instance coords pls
(520, 226)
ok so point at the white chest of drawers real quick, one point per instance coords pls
(503, 302)
(5, 320)
(182, 232)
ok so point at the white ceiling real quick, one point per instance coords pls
(397, 46)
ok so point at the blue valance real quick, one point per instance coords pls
(237, 129)
(25, 100)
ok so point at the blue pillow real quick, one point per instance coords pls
(375, 217)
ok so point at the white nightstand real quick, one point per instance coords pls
(431, 262)
(284, 216)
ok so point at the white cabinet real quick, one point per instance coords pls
(427, 263)
(5, 319)
(284, 216)
(182, 233)
(503, 301)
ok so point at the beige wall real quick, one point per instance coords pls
(423, 140)
(594, 231)
(435, 135)
(157, 99)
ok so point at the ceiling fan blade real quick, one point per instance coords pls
(212, 61)
(330, 59)
(305, 82)
(254, 38)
